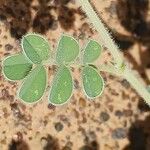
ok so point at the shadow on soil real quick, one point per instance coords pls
(139, 135)
(18, 16)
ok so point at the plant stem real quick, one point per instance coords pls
(130, 77)
(112, 47)
(137, 85)
(104, 35)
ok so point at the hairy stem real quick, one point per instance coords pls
(112, 47)
(137, 85)
(103, 32)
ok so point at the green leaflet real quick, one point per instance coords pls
(62, 87)
(67, 50)
(16, 67)
(92, 82)
(35, 51)
(36, 48)
(91, 52)
(34, 85)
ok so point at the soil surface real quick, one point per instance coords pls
(118, 120)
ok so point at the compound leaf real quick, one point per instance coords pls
(92, 82)
(16, 67)
(62, 87)
(36, 48)
(92, 51)
(67, 50)
(34, 85)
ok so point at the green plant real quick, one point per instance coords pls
(36, 54)
(119, 67)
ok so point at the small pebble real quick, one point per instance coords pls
(104, 116)
(58, 126)
(50, 106)
(8, 47)
(119, 133)
(118, 113)
(66, 148)
(125, 83)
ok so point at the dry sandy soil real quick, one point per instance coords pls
(118, 120)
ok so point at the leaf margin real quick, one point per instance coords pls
(40, 99)
(56, 49)
(72, 81)
(41, 36)
(84, 48)
(2, 70)
(82, 86)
